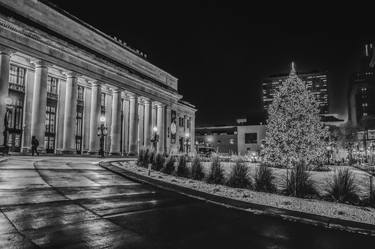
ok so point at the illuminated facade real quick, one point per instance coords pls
(61, 79)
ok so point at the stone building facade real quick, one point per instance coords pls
(61, 79)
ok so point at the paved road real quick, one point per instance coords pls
(73, 203)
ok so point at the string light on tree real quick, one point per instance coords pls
(294, 132)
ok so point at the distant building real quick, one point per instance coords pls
(237, 139)
(222, 138)
(315, 82)
(362, 91)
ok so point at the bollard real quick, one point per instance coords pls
(149, 169)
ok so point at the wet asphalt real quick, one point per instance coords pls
(74, 203)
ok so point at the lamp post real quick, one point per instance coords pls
(155, 138)
(102, 132)
(187, 142)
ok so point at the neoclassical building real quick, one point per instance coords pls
(61, 79)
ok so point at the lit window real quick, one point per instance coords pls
(17, 75)
(52, 85)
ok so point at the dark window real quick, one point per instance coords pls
(49, 139)
(251, 138)
(181, 122)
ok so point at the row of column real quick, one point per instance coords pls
(38, 112)
(134, 139)
(139, 131)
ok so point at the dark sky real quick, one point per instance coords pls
(220, 51)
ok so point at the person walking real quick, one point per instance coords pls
(34, 146)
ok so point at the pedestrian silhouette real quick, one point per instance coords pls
(34, 146)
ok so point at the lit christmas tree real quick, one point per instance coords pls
(294, 132)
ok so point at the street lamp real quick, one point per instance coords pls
(102, 132)
(155, 138)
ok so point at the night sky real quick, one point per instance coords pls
(220, 52)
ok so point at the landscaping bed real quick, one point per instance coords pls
(310, 206)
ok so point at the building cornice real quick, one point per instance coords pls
(64, 55)
(56, 22)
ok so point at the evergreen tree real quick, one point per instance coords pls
(294, 132)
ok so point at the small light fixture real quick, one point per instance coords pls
(187, 134)
(155, 129)
(8, 100)
(102, 119)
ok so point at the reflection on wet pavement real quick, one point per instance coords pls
(74, 203)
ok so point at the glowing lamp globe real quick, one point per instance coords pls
(8, 101)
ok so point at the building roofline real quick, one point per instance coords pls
(9, 6)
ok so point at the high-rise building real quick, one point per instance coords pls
(362, 90)
(316, 82)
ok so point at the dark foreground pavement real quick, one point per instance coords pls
(73, 203)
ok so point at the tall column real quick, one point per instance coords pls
(192, 134)
(70, 113)
(141, 123)
(94, 117)
(133, 125)
(126, 125)
(167, 145)
(116, 123)
(153, 115)
(27, 110)
(148, 122)
(38, 116)
(160, 125)
(4, 89)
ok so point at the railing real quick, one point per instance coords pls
(16, 87)
(52, 95)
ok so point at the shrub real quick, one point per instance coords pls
(342, 187)
(168, 167)
(197, 169)
(216, 175)
(300, 183)
(239, 177)
(158, 161)
(264, 179)
(182, 169)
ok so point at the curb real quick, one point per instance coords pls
(3, 159)
(258, 209)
